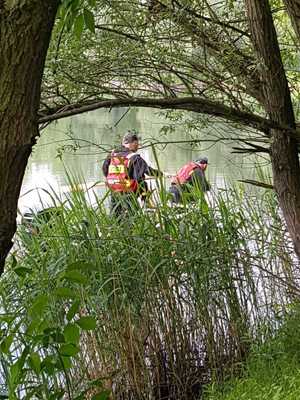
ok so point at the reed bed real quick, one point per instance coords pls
(178, 296)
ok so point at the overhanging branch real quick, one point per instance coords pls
(194, 104)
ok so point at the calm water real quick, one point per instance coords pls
(98, 132)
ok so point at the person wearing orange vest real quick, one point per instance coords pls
(125, 172)
(191, 175)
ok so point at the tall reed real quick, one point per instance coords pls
(179, 296)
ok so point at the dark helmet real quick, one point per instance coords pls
(202, 160)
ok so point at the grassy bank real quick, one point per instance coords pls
(272, 371)
(154, 306)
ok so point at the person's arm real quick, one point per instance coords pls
(139, 168)
(105, 166)
(198, 178)
(154, 172)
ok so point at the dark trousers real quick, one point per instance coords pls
(175, 194)
(185, 194)
(123, 204)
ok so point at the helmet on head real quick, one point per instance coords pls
(202, 160)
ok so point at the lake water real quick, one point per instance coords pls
(97, 132)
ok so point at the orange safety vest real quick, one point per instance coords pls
(184, 173)
(117, 178)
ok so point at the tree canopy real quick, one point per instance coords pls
(189, 55)
(232, 59)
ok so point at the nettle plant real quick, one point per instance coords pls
(43, 322)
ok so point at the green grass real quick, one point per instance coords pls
(170, 300)
(272, 371)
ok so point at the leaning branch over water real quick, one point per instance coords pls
(195, 104)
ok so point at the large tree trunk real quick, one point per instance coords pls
(25, 30)
(278, 104)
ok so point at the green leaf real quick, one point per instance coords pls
(65, 293)
(23, 357)
(84, 266)
(69, 19)
(87, 323)
(22, 271)
(35, 362)
(15, 372)
(101, 396)
(72, 333)
(73, 310)
(96, 382)
(74, 4)
(14, 261)
(57, 337)
(69, 349)
(89, 20)
(79, 25)
(39, 305)
(7, 318)
(63, 363)
(6, 343)
(43, 326)
(92, 3)
(32, 328)
(81, 396)
(48, 364)
(66, 362)
(75, 276)
(57, 395)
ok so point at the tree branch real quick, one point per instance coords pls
(120, 33)
(240, 65)
(195, 104)
(257, 183)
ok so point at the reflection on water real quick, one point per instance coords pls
(100, 131)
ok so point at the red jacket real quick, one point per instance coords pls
(184, 173)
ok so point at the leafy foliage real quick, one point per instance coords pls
(75, 15)
(159, 49)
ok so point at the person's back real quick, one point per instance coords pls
(125, 172)
(189, 179)
(116, 170)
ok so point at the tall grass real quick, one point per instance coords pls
(179, 297)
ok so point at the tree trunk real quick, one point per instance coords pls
(293, 9)
(25, 30)
(278, 104)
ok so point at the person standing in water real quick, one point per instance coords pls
(125, 172)
(190, 177)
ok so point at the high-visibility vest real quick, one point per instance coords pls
(117, 178)
(184, 173)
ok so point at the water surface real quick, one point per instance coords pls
(98, 132)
